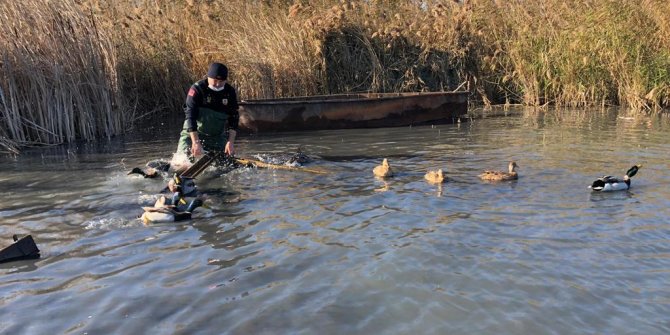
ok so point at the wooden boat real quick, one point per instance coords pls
(341, 111)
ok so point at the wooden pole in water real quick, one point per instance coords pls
(260, 164)
(200, 165)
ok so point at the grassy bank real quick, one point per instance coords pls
(89, 69)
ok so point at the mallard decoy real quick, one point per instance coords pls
(383, 170)
(169, 213)
(500, 175)
(609, 183)
(435, 177)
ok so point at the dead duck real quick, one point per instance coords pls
(609, 183)
(298, 159)
(383, 170)
(435, 177)
(154, 168)
(500, 175)
(148, 173)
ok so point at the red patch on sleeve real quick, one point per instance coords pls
(191, 92)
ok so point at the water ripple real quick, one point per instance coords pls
(278, 251)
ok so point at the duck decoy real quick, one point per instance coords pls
(609, 183)
(435, 177)
(501, 175)
(383, 170)
(169, 213)
(24, 248)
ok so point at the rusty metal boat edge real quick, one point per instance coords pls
(343, 111)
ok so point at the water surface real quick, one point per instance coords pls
(289, 252)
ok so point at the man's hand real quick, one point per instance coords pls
(196, 146)
(230, 149)
(196, 149)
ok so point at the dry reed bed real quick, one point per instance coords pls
(89, 69)
(57, 78)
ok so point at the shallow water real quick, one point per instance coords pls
(290, 252)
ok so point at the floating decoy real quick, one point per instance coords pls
(383, 170)
(609, 183)
(500, 175)
(435, 177)
(162, 213)
(24, 248)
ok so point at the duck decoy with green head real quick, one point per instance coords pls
(609, 183)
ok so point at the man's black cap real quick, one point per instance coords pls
(217, 71)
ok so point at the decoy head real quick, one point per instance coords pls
(632, 171)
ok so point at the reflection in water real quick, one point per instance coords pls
(384, 184)
(279, 251)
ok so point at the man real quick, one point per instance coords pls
(211, 112)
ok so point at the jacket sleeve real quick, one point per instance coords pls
(191, 110)
(234, 113)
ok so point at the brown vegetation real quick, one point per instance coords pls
(85, 69)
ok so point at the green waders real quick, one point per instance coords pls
(211, 125)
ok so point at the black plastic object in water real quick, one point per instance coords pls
(24, 248)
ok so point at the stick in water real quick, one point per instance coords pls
(201, 164)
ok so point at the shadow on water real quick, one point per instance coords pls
(611, 198)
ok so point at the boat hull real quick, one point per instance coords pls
(343, 111)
